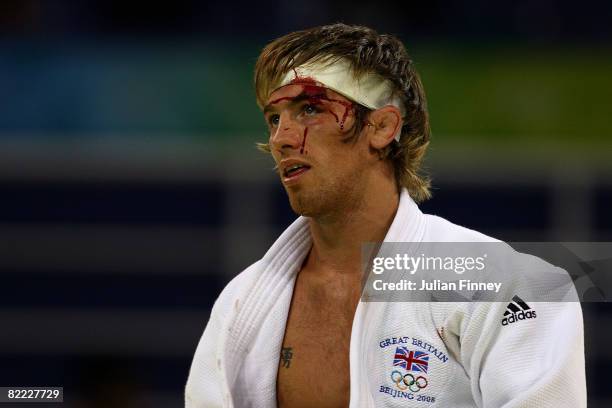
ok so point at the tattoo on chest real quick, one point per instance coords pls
(286, 355)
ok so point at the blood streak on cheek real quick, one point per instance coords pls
(347, 108)
(304, 141)
(335, 116)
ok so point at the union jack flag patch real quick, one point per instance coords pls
(411, 360)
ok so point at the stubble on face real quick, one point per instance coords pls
(334, 195)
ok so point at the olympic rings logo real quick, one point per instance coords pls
(408, 381)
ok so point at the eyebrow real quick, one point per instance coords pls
(293, 101)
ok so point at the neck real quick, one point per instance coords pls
(337, 239)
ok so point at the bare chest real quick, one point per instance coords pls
(314, 362)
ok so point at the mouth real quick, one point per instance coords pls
(293, 171)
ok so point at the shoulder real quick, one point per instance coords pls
(516, 268)
(289, 248)
(236, 289)
(442, 230)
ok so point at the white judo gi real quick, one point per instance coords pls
(473, 360)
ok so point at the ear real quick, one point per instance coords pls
(385, 122)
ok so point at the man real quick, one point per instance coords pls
(348, 128)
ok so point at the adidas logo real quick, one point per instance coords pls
(517, 310)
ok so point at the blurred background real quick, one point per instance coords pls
(131, 191)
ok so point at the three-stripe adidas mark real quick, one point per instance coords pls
(517, 310)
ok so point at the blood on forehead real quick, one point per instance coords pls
(316, 94)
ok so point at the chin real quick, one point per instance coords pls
(304, 204)
(321, 200)
(299, 205)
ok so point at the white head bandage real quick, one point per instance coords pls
(369, 90)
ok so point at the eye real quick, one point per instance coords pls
(310, 109)
(273, 119)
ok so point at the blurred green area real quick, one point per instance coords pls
(552, 98)
(479, 96)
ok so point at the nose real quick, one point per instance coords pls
(287, 134)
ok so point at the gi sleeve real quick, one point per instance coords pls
(525, 354)
(204, 385)
(207, 386)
